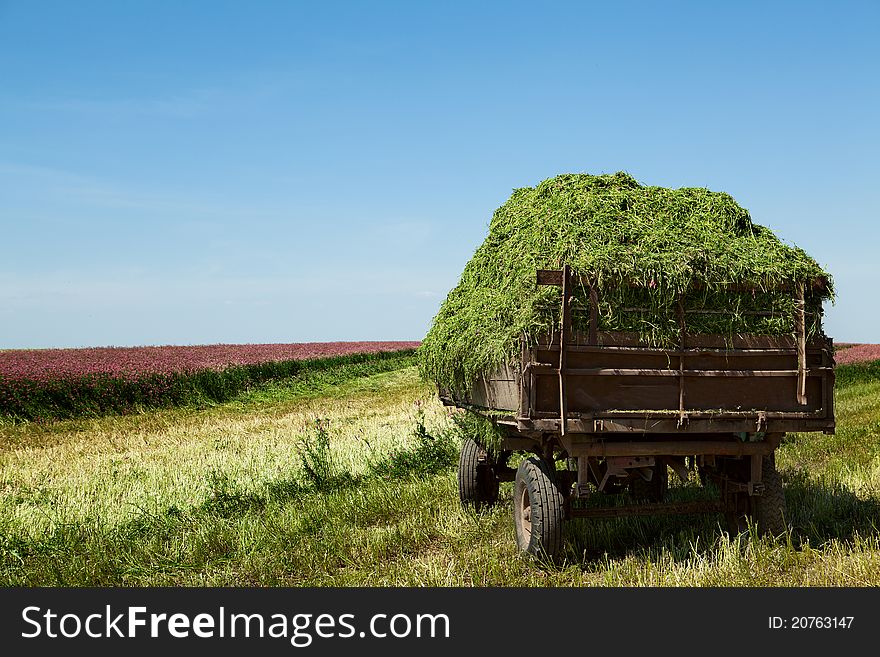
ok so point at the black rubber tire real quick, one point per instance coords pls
(477, 482)
(654, 490)
(538, 509)
(766, 511)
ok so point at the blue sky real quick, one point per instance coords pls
(201, 172)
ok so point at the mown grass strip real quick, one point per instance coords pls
(99, 395)
(308, 512)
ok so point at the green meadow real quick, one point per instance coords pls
(349, 479)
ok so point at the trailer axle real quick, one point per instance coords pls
(649, 509)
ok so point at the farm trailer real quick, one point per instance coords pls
(620, 414)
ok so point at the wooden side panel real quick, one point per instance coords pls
(499, 390)
(613, 379)
(753, 393)
(591, 394)
(602, 380)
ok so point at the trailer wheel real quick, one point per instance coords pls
(538, 509)
(767, 511)
(477, 480)
(654, 490)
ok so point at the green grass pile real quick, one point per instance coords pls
(617, 232)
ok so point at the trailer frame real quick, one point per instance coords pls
(620, 414)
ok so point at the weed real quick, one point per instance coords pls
(430, 455)
(227, 499)
(316, 457)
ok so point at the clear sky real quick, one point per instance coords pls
(201, 172)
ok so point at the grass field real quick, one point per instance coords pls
(349, 479)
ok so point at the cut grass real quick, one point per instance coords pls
(220, 497)
(688, 242)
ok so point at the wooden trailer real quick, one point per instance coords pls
(601, 412)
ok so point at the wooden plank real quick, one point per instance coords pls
(632, 371)
(752, 416)
(712, 425)
(524, 381)
(671, 414)
(555, 277)
(682, 346)
(565, 329)
(757, 313)
(695, 351)
(699, 311)
(801, 329)
(549, 277)
(532, 393)
(594, 317)
(623, 339)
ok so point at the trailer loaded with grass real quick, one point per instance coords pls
(613, 333)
